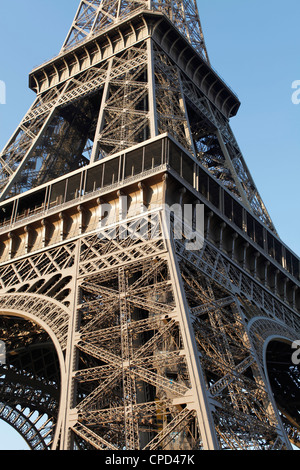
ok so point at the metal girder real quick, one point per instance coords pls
(94, 17)
(118, 335)
(20, 419)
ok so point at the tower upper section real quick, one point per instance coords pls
(95, 16)
(129, 71)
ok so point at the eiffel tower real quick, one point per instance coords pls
(126, 324)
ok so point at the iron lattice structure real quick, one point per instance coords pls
(118, 334)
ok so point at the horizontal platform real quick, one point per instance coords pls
(132, 30)
(145, 166)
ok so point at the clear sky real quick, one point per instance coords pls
(253, 44)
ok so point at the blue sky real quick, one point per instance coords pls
(253, 44)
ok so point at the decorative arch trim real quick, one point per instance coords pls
(50, 315)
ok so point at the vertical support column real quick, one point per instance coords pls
(285, 282)
(245, 246)
(67, 403)
(276, 282)
(62, 218)
(11, 250)
(100, 122)
(45, 229)
(28, 238)
(129, 387)
(267, 264)
(201, 402)
(255, 270)
(208, 234)
(295, 288)
(234, 238)
(187, 127)
(143, 201)
(151, 90)
(81, 215)
(122, 205)
(222, 228)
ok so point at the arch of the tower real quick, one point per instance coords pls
(20, 420)
(275, 346)
(284, 377)
(31, 374)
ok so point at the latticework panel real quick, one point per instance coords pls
(131, 359)
(95, 16)
(126, 316)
